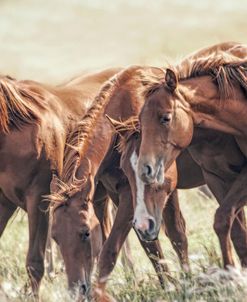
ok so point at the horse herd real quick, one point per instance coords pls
(134, 136)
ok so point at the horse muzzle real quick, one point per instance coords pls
(146, 229)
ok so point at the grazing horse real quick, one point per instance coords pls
(207, 91)
(35, 121)
(165, 194)
(91, 160)
(149, 206)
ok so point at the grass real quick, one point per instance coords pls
(206, 282)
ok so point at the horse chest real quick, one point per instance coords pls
(225, 161)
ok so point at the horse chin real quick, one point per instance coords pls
(147, 237)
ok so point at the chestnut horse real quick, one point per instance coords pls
(128, 146)
(35, 120)
(148, 207)
(206, 91)
(95, 160)
(91, 160)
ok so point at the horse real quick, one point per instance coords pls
(147, 206)
(92, 159)
(174, 223)
(35, 120)
(203, 92)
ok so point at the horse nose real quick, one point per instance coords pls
(151, 228)
(146, 229)
(83, 288)
(148, 175)
(148, 169)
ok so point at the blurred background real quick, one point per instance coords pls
(54, 40)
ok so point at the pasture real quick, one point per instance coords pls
(51, 41)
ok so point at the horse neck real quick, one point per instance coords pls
(78, 94)
(101, 140)
(209, 111)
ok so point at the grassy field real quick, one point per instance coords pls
(54, 40)
(206, 282)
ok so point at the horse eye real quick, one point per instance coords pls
(166, 118)
(85, 235)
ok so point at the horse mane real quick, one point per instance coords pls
(222, 66)
(18, 104)
(79, 139)
(125, 130)
(225, 66)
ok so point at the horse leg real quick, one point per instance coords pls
(120, 229)
(126, 256)
(239, 236)
(102, 208)
(175, 229)
(238, 232)
(155, 254)
(234, 200)
(119, 232)
(7, 209)
(38, 220)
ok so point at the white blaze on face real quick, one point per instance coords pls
(141, 214)
(161, 174)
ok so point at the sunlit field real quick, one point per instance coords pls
(52, 41)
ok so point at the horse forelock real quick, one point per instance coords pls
(126, 130)
(18, 104)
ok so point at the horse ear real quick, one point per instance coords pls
(114, 123)
(171, 79)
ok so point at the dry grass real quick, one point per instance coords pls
(207, 282)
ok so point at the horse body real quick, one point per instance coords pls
(204, 92)
(35, 123)
(93, 161)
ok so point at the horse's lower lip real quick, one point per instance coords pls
(147, 238)
(150, 240)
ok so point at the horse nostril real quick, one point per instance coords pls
(148, 170)
(151, 225)
(83, 288)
